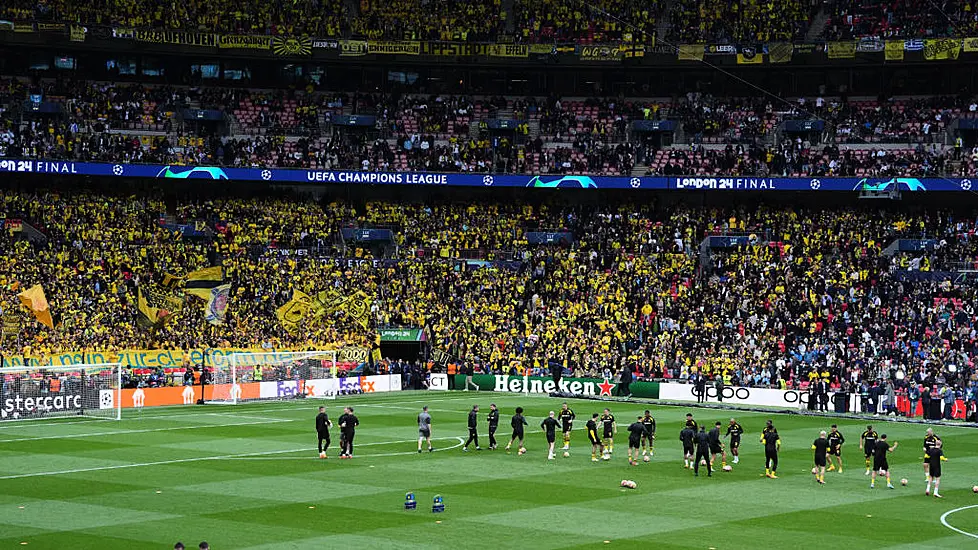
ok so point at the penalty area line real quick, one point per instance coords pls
(460, 440)
(953, 528)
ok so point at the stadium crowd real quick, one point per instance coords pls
(730, 136)
(814, 294)
(534, 21)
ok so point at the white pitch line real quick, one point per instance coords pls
(185, 460)
(461, 441)
(953, 528)
(147, 430)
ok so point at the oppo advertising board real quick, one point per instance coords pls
(765, 397)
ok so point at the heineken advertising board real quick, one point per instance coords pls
(537, 384)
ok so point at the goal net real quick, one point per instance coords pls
(247, 376)
(38, 393)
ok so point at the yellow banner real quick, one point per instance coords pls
(295, 311)
(243, 42)
(780, 52)
(23, 27)
(841, 50)
(142, 358)
(177, 38)
(291, 45)
(942, 48)
(970, 44)
(353, 48)
(509, 50)
(691, 52)
(77, 33)
(894, 50)
(393, 47)
(607, 52)
(358, 308)
(540, 49)
(755, 59)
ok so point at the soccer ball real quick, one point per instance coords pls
(606, 456)
(521, 451)
(703, 462)
(566, 454)
(728, 468)
(646, 458)
(903, 482)
(974, 489)
(628, 483)
(814, 471)
(322, 455)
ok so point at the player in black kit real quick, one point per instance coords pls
(930, 441)
(934, 456)
(867, 442)
(566, 416)
(821, 448)
(772, 444)
(594, 438)
(835, 448)
(348, 430)
(517, 423)
(648, 440)
(880, 463)
(636, 431)
(322, 430)
(549, 426)
(735, 431)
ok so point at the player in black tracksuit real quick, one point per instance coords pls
(934, 455)
(518, 422)
(493, 419)
(322, 430)
(716, 446)
(473, 429)
(702, 452)
(687, 435)
(348, 427)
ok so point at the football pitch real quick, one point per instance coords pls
(248, 476)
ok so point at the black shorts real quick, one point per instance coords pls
(835, 451)
(687, 449)
(819, 460)
(424, 433)
(551, 437)
(567, 428)
(593, 438)
(609, 434)
(935, 470)
(715, 449)
(734, 442)
(518, 434)
(881, 464)
(634, 443)
(869, 451)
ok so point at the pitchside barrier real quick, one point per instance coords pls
(284, 389)
(670, 391)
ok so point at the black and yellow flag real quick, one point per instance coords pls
(358, 308)
(199, 283)
(150, 304)
(294, 313)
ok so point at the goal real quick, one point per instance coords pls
(247, 376)
(39, 392)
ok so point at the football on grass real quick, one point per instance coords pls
(903, 482)
(646, 458)
(566, 454)
(728, 468)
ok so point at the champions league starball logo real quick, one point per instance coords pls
(565, 182)
(193, 172)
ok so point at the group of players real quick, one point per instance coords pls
(699, 446)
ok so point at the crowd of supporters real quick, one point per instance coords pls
(451, 133)
(812, 290)
(529, 21)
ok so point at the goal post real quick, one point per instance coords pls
(46, 392)
(248, 376)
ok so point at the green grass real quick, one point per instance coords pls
(247, 477)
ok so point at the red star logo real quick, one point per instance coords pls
(606, 388)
